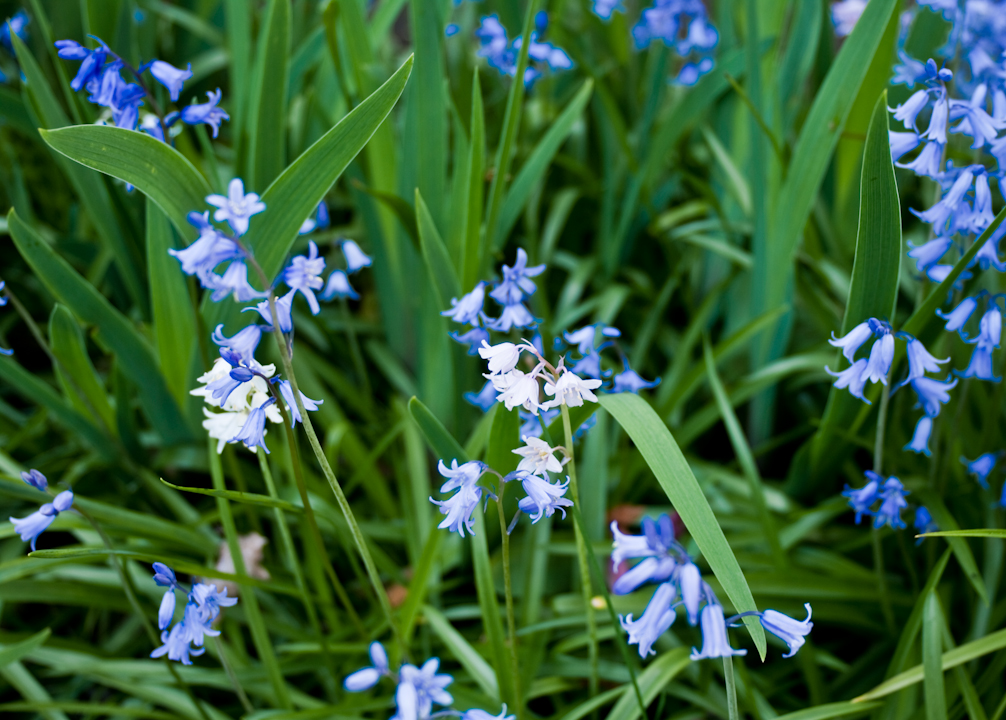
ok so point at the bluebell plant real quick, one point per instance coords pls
(29, 528)
(204, 601)
(501, 53)
(889, 492)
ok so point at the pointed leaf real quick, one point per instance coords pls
(443, 276)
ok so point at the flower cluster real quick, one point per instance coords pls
(680, 24)
(501, 53)
(891, 494)
(202, 608)
(845, 14)
(31, 527)
(100, 73)
(418, 689)
(16, 25)
(981, 467)
(665, 561)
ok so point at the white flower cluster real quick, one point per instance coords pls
(518, 388)
(224, 426)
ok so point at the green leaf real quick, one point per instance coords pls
(962, 551)
(427, 116)
(241, 497)
(134, 353)
(420, 580)
(492, 618)
(831, 710)
(441, 442)
(977, 533)
(443, 276)
(173, 315)
(405, 213)
(657, 446)
(75, 370)
(463, 652)
(89, 709)
(267, 109)
(538, 162)
(652, 680)
(932, 650)
(470, 261)
(16, 651)
(952, 658)
(156, 169)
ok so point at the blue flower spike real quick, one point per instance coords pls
(982, 466)
(31, 527)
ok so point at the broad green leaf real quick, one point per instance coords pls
(463, 652)
(470, 261)
(977, 533)
(952, 658)
(875, 271)
(75, 370)
(241, 497)
(156, 169)
(832, 710)
(171, 306)
(441, 442)
(651, 681)
(133, 351)
(504, 436)
(537, 164)
(267, 108)
(657, 446)
(428, 100)
(932, 651)
(443, 276)
(16, 651)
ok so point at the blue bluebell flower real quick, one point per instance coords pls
(892, 502)
(356, 259)
(927, 162)
(451, 30)
(790, 631)
(284, 307)
(468, 309)
(665, 22)
(320, 221)
(175, 644)
(975, 122)
(303, 275)
(460, 507)
(530, 423)
(243, 343)
(988, 254)
(589, 365)
(585, 338)
(92, 60)
(853, 377)
(990, 331)
(919, 362)
(604, 8)
(861, 500)
(908, 71)
(286, 391)
(630, 381)
(485, 398)
(656, 548)
(924, 522)
(655, 620)
(36, 479)
(941, 214)
(715, 643)
(170, 77)
(981, 466)
(920, 438)
(958, 317)
(201, 610)
(690, 581)
(932, 393)
(338, 287)
(478, 714)
(31, 527)
(902, 143)
(495, 46)
(233, 281)
(207, 113)
(515, 315)
(237, 207)
(368, 677)
(166, 611)
(929, 253)
(151, 124)
(474, 339)
(852, 340)
(517, 283)
(252, 433)
(420, 688)
(543, 498)
(501, 54)
(209, 250)
(845, 14)
(16, 24)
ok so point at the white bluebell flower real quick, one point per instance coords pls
(468, 309)
(517, 388)
(981, 466)
(932, 393)
(36, 479)
(958, 317)
(919, 361)
(690, 581)
(286, 391)
(253, 431)
(715, 643)
(790, 631)
(929, 253)
(902, 143)
(892, 502)
(853, 377)
(356, 259)
(630, 381)
(424, 688)
(237, 207)
(368, 677)
(474, 339)
(284, 307)
(924, 522)
(852, 340)
(502, 357)
(570, 390)
(513, 316)
(207, 113)
(485, 398)
(16, 24)
(477, 714)
(303, 274)
(31, 527)
(543, 498)
(537, 457)
(460, 507)
(920, 438)
(845, 14)
(990, 331)
(517, 283)
(654, 622)
(861, 500)
(338, 287)
(170, 77)
(604, 8)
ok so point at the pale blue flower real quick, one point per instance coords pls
(920, 438)
(206, 113)
(929, 253)
(170, 77)
(530, 423)
(924, 522)
(485, 398)
(210, 600)
(589, 365)
(790, 631)
(942, 213)
(460, 507)
(175, 644)
(990, 330)
(654, 546)
(852, 340)
(16, 24)
(543, 498)
(630, 381)
(919, 362)
(981, 466)
(861, 500)
(477, 714)
(233, 281)
(515, 315)
(209, 250)
(908, 71)
(368, 677)
(845, 14)
(167, 609)
(604, 8)
(284, 306)
(468, 309)
(892, 498)
(31, 527)
(902, 143)
(237, 207)
(931, 393)
(473, 339)
(356, 259)
(420, 688)
(715, 643)
(286, 391)
(908, 111)
(320, 221)
(243, 343)
(853, 377)
(517, 283)
(303, 275)
(927, 162)
(988, 254)
(338, 287)
(36, 479)
(451, 30)
(654, 622)
(975, 122)
(689, 579)
(252, 433)
(958, 317)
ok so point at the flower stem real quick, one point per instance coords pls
(878, 443)
(508, 589)
(581, 551)
(354, 350)
(238, 690)
(878, 566)
(731, 688)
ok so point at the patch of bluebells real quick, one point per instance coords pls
(29, 528)
(663, 560)
(204, 603)
(417, 689)
(501, 53)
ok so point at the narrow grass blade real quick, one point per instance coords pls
(441, 442)
(463, 652)
(443, 276)
(977, 533)
(492, 618)
(241, 497)
(962, 551)
(16, 651)
(470, 263)
(651, 681)
(267, 105)
(932, 658)
(418, 587)
(76, 371)
(428, 101)
(832, 710)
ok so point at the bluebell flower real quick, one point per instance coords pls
(981, 218)
(485, 398)
(940, 214)
(929, 253)
(243, 343)
(515, 315)
(920, 438)
(543, 498)
(203, 607)
(473, 339)
(233, 281)
(902, 143)
(17, 24)
(958, 317)
(91, 64)
(170, 77)
(286, 391)
(853, 377)
(981, 466)
(253, 431)
(988, 254)
(852, 340)
(151, 124)
(932, 393)
(927, 162)
(320, 221)
(530, 423)
(790, 631)
(690, 581)
(175, 644)
(589, 365)
(924, 522)
(892, 502)
(166, 611)
(420, 688)
(715, 643)
(861, 500)
(604, 8)
(517, 283)
(554, 57)
(477, 714)
(31, 527)
(460, 507)
(468, 309)
(368, 677)
(338, 287)
(210, 599)
(164, 576)
(284, 306)
(209, 250)
(36, 479)
(303, 275)
(630, 381)
(845, 14)
(908, 71)
(585, 338)
(356, 259)
(495, 46)
(990, 330)
(654, 546)
(451, 30)
(1002, 498)
(975, 122)
(654, 622)
(207, 113)
(920, 362)
(237, 207)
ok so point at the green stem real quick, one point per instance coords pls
(511, 624)
(878, 566)
(354, 350)
(878, 443)
(581, 551)
(238, 690)
(731, 687)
